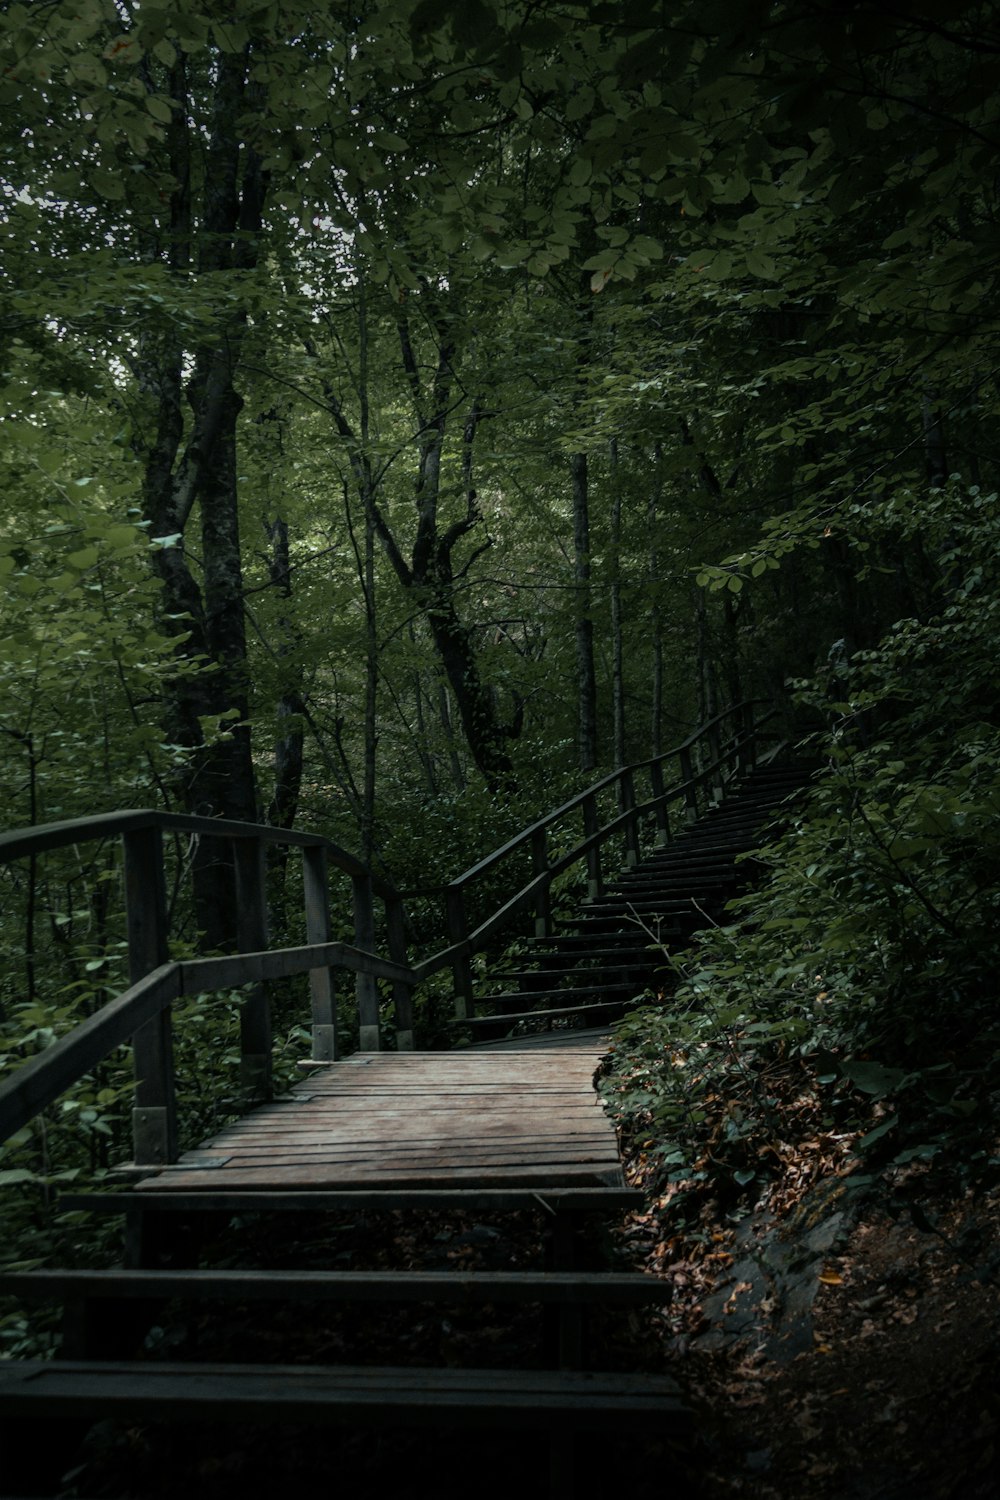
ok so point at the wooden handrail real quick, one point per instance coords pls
(21, 842)
(482, 866)
(142, 1012)
(42, 1078)
(465, 942)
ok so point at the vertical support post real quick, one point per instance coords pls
(626, 793)
(543, 897)
(461, 966)
(366, 985)
(322, 985)
(154, 1115)
(402, 993)
(591, 827)
(660, 810)
(717, 773)
(747, 757)
(690, 790)
(250, 869)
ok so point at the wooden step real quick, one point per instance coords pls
(576, 942)
(620, 954)
(610, 1287)
(242, 1200)
(562, 1013)
(137, 1391)
(520, 997)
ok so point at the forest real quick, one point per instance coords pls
(413, 409)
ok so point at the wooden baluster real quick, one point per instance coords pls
(543, 898)
(690, 791)
(461, 966)
(322, 983)
(250, 869)
(154, 1115)
(591, 826)
(660, 811)
(366, 985)
(627, 796)
(402, 993)
(717, 774)
(747, 756)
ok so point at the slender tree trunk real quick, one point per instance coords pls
(454, 759)
(423, 754)
(935, 457)
(586, 677)
(617, 649)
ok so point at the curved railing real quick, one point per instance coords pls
(142, 1012)
(719, 750)
(725, 747)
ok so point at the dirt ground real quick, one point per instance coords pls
(897, 1392)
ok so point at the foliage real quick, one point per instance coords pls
(868, 960)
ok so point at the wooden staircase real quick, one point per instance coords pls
(441, 1417)
(611, 952)
(572, 974)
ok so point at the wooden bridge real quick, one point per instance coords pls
(512, 1123)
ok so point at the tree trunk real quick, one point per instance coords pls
(655, 614)
(190, 464)
(617, 651)
(586, 676)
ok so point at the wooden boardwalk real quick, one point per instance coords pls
(487, 1117)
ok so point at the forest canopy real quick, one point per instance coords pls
(412, 398)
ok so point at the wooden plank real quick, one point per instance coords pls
(568, 1199)
(436, 1120)
(365, 1173)
(435, 1154)
(407, 1142)
(484, 1398)
(619, 1288)
(410, 1134)
(324, 1162)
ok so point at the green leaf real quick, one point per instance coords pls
(12, 1175)
(877, 1133)
(872, 1078)
(165, 52)
(159, 108)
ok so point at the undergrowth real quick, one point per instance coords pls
(852, 997)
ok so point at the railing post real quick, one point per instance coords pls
(591, 827)
(717, 775)
(543, 898)
(154, 1114)
(322, 986)
(402, 994)
(660, 811)
(747, 753)
(250, 868)
(461, 966)
(366, 985)
(627, 799)
(690, 790)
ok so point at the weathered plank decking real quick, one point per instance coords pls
(491, 1117)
